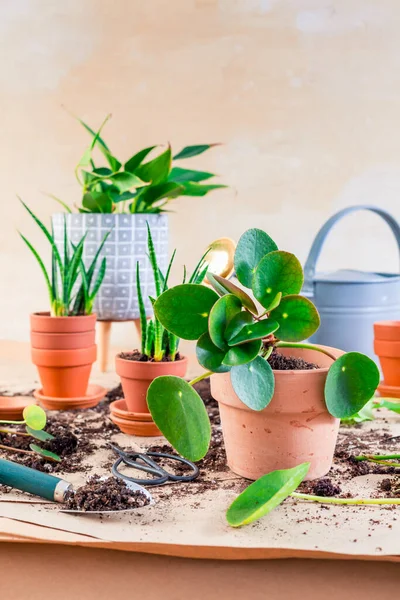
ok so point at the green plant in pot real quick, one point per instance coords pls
(280, 399)
(63, 339)
(126, 195)
(159, 352)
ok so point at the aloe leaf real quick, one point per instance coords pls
(41, 435)
(46, 233)
(297, 317)
(61, 202)
(99, 279)
(72, 270)
(252, 246)
(278, 272)
(351, 381)
(149, 350)
(43, 268)
(133, 163)
(45, 453)
(200, 265)
(153, 261)
(265, 494)
(221, 313)
(142, 310)
(209, 356)
(195, 150)
(34, 417)
(180, 414)
(180, 175)
(184, 309)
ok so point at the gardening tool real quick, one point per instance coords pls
(143, 462)
(220, 254)
(49, 487)
(350, 301)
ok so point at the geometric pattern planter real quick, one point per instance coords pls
(126, 244)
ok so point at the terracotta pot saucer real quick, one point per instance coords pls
(120, 410)
(391, 391)
(12, 407)
(94, 394)
(140, 428)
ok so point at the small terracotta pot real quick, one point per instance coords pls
(64, 373)
(389, 358)
(136, 377)
(388, 331)
(63, 341)
(43, 323)
(295, 427)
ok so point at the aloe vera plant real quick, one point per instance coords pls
(72, 287)
(234, 335)
(139, 185)
(158, 343)
(34, 419)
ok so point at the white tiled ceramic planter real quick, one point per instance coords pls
(126, 244)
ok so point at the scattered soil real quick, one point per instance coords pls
(139, 357)
(105, 495)
(390, 487)
(279, 362)
(321, 487)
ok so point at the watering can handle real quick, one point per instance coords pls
(311, 262)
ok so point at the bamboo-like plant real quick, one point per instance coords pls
(158, 343)
(137, 186)
(71, 287)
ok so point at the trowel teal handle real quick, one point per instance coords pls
(32, 481)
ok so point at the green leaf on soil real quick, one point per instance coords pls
(278, 272)
(297, 317)
(45, 453)
(253, 245)
(231, 288)
(40, 434)
(210, 357)
(239, 355)
(34, 417)
(265, 494)
(254, 383)
(254, 331)
(184, 309)
(351, 381)
(221, 314)
(180, 414)
(385, 403)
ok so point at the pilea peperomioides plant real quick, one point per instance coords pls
(234, 334)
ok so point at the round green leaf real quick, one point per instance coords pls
(265, 494)
(180, 414)
(184, 309)
(231, 288)
(239, 355)
(221, 313)
(297, 318)
(277, 272)
(254, 331)
(351, 382)
(34, 417)
(253, 245)
(254, 383)
(237, 324)
(210, 356)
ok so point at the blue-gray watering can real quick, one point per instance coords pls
(349, 301)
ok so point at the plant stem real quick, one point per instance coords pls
(306, 347)
(200, 377)
(13, 422)
(5, 430)
(11, 449)
(380, 459)
(352, 501)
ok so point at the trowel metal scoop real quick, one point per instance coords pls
(52, 488)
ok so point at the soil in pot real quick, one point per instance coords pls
(295, 427)
(139, 357)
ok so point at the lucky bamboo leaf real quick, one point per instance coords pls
(265, 494)
(34, 417)
(278, 272)
(45, 453)
(221, 314)
(254, 331)
(112, 161)
(180, 414)
(126, 181)
(297, 317)
(153, 193)
(184, 309)
(351, 381)
(253, 245)
(209, 356)
(133, 163)
(157, 170)
(184, 175)
(97, 202)
(190, 151)
(254, 383)
(198, 189)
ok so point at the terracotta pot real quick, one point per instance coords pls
(388, 353)
(137, 376)
(388, 331)
(295, 427)
(63, 341)
(44, 323)
(64, 373)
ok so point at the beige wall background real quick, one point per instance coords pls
(304, 94)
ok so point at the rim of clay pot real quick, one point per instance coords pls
(131, 368)
(43, 322)
(387, 331)
(120, 409)
(387, 348)
(64, 358)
